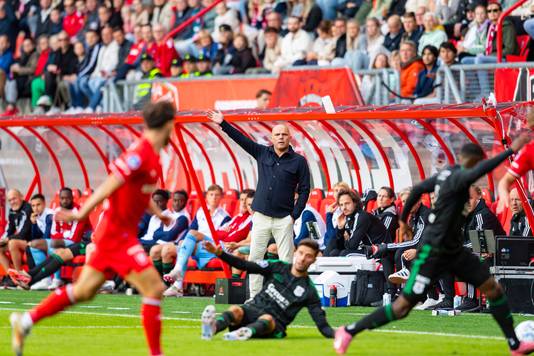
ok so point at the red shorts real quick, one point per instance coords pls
(122, 261)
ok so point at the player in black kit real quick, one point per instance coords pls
(442, 249)
(286, 290)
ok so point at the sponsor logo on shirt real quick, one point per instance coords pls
(277, 296)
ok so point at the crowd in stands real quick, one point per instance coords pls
(343, 222)
(60, 53)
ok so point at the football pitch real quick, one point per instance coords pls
(110, 325)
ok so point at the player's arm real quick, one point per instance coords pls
(154, 209)
(250, 267)
(303, 189)
(426, 186)
(319, 316)
(246, 143)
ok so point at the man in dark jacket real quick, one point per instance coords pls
(64, 63)
(87, 67)
(8, 22)
(22, 71)
(519, 225)
(43, 24)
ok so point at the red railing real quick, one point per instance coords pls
(190, 20)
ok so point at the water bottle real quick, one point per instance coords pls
(457, 301)
(333, 296)
(386, 299)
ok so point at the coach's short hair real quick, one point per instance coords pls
(156, 115)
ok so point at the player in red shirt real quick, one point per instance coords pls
(126, 194)
(523, 162)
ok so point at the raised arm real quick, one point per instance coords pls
(426, 186)
(252, 148)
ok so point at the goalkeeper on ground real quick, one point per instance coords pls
(287, 289)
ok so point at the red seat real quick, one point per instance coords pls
(230, 201)
(214, 264)
(76, 195)
(54, 203)
(522, 43)
(371, 205)
(315, 198)
(487, 196)
(327, 201)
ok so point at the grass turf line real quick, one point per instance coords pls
(109, 332)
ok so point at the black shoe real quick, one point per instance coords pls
(445, 304)
(469, 305)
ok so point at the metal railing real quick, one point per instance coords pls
(457, 84)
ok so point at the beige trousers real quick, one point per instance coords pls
(263, 228)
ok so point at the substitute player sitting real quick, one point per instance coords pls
(442, 249)
(126, 191)
(286, 290)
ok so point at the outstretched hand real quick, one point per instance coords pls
(211, 248)
(216, 116)
(520, 141)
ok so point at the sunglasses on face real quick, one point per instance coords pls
(493, 11)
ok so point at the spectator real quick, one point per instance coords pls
(195, 7)
(123, 43)
(209, 18)
(106, 65)
(225, 16)
(162, 14)
(18, 231)
(140, 14)
(323, 49)
(263, 98)
(368, 86)
(310, 224)
(272, 49)
(22, 72)
(74, 20)
(182, 13)
(365, 8)
(433, 35)
(420, 12)
(282, 172)
(474, 42)
(339, 30)
(519, 225)
(447, 54)
(226, 48)
(349, 8)
(38, 86)
(411, 65)
(176, 68)
(355, 227)
(104, 15)
(160, 197)
(67, 78)
(460, 19)
(204, 66)
(386, 211)
(42, 19)
(165, 52)
(373, 38)
(205, 45)
(56, 23)
(148, 71)
(166, 236)
(86, 69)
(427, 77)
(397, 7)
(147, 36)
(8, 21)
(133, 57)
(412, 31)
(116, 14)
(295, 45)
(189, 67)
(306, 10)
(393, 37)
(379, 9)
(242, 59)
(332, 213)
(191, 247)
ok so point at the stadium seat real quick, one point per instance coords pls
(522, 43)
(425, 199)
(193, 203)
(316, 196)
(54, 203)
(85, 195)
(229, 201)
(76, 195)
(487, 196)
(328, 200)
(371, 205)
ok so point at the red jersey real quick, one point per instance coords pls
(73, 23)
(239, 227)
(523, 161)
(140, 170)
(72, 231)
(165, 54)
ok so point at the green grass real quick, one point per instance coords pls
(110, 325)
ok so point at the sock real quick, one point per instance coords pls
(186, 251)
(259, 328)
(151, 318)
(166, 267)
(29, 257)
(159, 266)
(45, 269)
(501, 313)
(379, 317)
(223, 321)
(38, 256)
(60, 299)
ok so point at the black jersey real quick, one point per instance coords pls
(451, 189)
(283, 295)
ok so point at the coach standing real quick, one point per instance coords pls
(281, 173)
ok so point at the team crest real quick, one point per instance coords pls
(263, 264)
(133, 161)
(299, 291)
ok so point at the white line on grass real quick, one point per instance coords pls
(118, 308)
(409, 332)
(3, 302)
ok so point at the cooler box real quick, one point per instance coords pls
(327, 279)
(230, 291)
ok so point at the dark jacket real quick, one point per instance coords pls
(89, 62)
(124, 49)
(341, 46)
(483, 219)
(243, 60)
(414, 36)
(388, 216)
(364, 229)
(9, 24)
(425, 82)
(278, 177)
(66, 62)
(519, 225)
(392, 42)
(19, 224)
(181, 17)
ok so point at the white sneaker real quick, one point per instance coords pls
(429, 302)
(18, 332)
(173, 291)
(43, 284)
(240, 334)
(400, 276)
(208, 322)
(107, 287)
(56, 283)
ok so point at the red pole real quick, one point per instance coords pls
(499, 27)
(196, 183)
(190, 20)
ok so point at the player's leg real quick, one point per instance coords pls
(16, 249)
(185, 251)
(151, 287)
(470, 269)
(168, 257)
(415, 290)
(155, 256)
(4, 261)
(84, 289)
(263, 326)
(212, 324)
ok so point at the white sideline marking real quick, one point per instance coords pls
(118, 308)
(3, 302)
(181, 312)
(408, 332)
(91, 306)
(30, 304)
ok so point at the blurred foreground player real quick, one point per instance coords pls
(287, 289)
(442, 249)
(126, 191)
